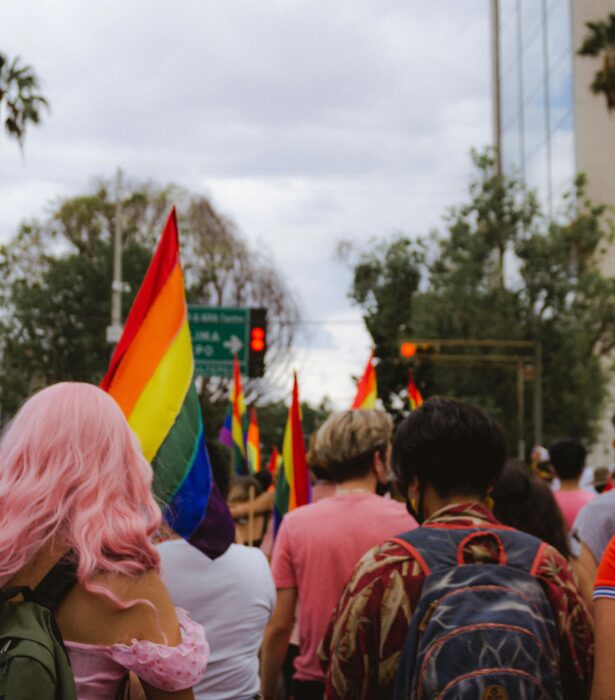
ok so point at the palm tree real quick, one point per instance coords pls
(19, 97)
(601, 40)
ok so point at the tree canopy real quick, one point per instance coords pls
(500, 270)
(56, 275)
(20, 99)
(600, 42)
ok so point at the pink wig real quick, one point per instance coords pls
(72, 473)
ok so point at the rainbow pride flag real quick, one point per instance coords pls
(367, 389)
(238, 419)
(414, 395)
(151, 376)
(275, 460)
(253, 444)
(293, 486)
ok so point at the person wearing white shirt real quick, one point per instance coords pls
(232, 596)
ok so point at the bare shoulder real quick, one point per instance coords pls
(118, 608)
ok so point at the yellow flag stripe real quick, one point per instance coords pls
(160, 403)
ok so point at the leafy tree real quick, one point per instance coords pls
(20, 98)
(600, 41)
(386, 280)
(56, 276)
(500, 271)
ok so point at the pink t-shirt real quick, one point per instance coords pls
(316, 551)
(571, 502)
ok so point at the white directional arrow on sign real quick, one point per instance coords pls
(233, 344)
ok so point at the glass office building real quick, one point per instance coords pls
(535, 69)
(548, 124)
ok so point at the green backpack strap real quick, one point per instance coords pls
(33, 660)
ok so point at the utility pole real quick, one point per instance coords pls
(497, 97)
(114, 331)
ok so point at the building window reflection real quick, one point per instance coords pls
(536, 95)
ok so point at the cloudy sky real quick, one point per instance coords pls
(306, 121)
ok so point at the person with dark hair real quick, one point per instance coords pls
(318, 545)
(524, 501)
(447, 456)
(568, 459)
(220, 460)
(239, 581)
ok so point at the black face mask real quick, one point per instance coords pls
(382, 489)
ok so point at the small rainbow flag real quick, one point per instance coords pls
(238, 414)
(275, 460)
(253, 444)
(414, 395)
(367, 389)
(293, 487)
(151, 376)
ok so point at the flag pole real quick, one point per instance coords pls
(251, 495)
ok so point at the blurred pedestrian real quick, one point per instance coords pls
(447, 456)
(251, 527)
(75, 486)
(525, 502)
(232, 597)
(602, 480)
(568, 459)
(593, 528)
(604, 621)
(318, 545)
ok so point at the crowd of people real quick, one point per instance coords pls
(429, 564)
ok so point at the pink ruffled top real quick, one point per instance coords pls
(100, 670)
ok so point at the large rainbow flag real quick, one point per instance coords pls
(367, 389)
(293, 486)
(151, 376)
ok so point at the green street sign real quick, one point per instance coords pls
(217, 335)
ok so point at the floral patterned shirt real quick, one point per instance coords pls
(360, 651)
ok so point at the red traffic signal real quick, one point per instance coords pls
(257, 342)
(257, 339)
(407, 349)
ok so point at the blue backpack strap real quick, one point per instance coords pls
(435, 547)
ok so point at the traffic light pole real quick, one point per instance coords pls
(538, 392)
(522, 362)
(520, 411)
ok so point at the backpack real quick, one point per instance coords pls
(33, 661)
(480, 631)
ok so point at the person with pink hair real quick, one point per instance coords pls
(74, 485)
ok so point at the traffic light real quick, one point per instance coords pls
(407, 349)
(258, 342)
(417, 350)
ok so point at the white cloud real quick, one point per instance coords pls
(307, 121)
